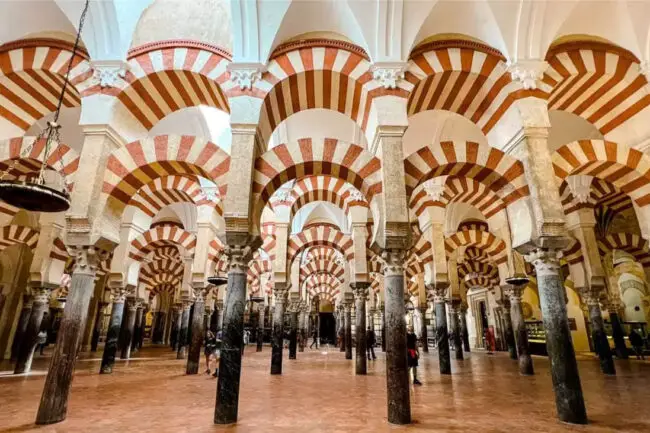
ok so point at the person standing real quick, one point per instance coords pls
(210, 345)
(413, 354)
(372, 340)
(315, 339)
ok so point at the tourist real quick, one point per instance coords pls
(210, 344)
(315, 339)
(371, 340)
(413, 354)
(637, 344)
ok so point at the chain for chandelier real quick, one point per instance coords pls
(33, 193)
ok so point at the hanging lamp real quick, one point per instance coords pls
(48, 191)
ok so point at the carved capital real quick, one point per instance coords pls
(119, 294)
(513, 293)
(435, 187)
(580, 187)
(199, 294)
(438, 292)
(393, 262)
(546, 261)
(244, 75)
(280, 292)
(528, 72)
(238, 258)
(360, 290)
(186, 304)
(388, 74)
(41, 295)
(107, 72)
(87, 258)
(590, 295)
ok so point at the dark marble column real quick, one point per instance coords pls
(214, 319)
(519, 328)
(564, 368)
(219, 309)
(280, 292)
(463, 326)
(614, 305)
(455, 328)
(397, 379)
(118, 296)
(54, 401)
(40, 302)
(23, 320)
(439, 294)
(424, 338)
(194, 355)
(341, 323)
(183, 329)
(158, 336)
(293, 332)
(129, 328)
(143, 325)
(382, 318)
(177, 318)
(301, 333)
(260, 327)
(591, 296)
(348, 328)
(360, 291)
(97, 330)
(227, 404)
(138, 329)
(509, 333)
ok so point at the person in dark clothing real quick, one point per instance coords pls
(372, 340)
(315, 339)
(637, 344)
(210, 350)
(413, 354)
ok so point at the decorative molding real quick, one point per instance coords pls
(435, 187)
(455, 43)
(546, 261)
(580, 187)
(177, 43)
(393, 262)
(44, 42)
(590, 45)
(107, 72)
(87, 259)
(318, 43)
(389, 74)
(244, 75)
(528, 72)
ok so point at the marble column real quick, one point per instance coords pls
(219, 309)
(591, 296)
(177, 318)
(227, 404)
(118, 297)
(439, 294)
(143, 325)
(54, 401)
(348, 329)
(614, 305)
(564, 368)
(397, 374)
(99, 323)
(341, 330)
(455, 328)
(301, 328)
(21, 328)
(129, 328)
(293, 332)
(424, 338)
(158, 335)
(260, 328)
(183, 329)
(510, 335)
(280, 292)
(40, 303)
(194, 355)
(519, 329)
(360, 291)
(464, 332)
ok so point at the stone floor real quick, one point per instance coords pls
(319, 392)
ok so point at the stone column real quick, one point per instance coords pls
(54, 401)
(219, 309)
(614, 305)
(341, 330)
(277, 339)
(301, 328)
(97, 330)
(227, 404)
(348, 328)
(424, 338)
(158, 333)
(138, 330)
(507, 323)
(40, 303)
(118, 297)
(360, 291)
(194, 356)
(564, 368)
(183, 328)
(382, 320)
(23, 320)
(177, 317)
(260, 328)
(397, 387)
(439, 295)
(463, 326)
(129, 328)
(591, 297)
(293, 331)
(143, 325)
(519, 328)
(455, 328)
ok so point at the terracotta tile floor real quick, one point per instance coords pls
(319, 392)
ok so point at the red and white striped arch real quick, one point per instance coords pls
(15, 234)
(169, 252)
(326, 74)
(463, 77)
(59, 251)
(494, 247)
(480, 281)
(317, 282)
(310, 157)
(322, 266)
(165, 191)
(323, 253)
(18, 160)
(626, 168)
(32, 72)
(159, 237)
(573, 252)
(602, 193)
(168, 76)
(133, 166)
(320, 236)
(632, 244)
(469, 267)
(502, 173)
(599, 82)
(162, 288)
(459, 190)
(163, 271)
(423, 251)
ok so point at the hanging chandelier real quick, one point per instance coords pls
(47, 190)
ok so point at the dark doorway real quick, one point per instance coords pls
(327, 328)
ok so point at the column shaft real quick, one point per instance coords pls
(600, 339)
(260, 329)
(194, 356)
(137, 330)
(455, 331)
(521, 336)
(182, 331)
(463, 328)
(442, 336)
(23, 320)
(30, 339)
(97, 330)
(129, 328)
(360, 327)
(618, 335)
(110, 345)
(423, 330)
(293, 334)
(510, 335)
(278, 333)
(348, 331)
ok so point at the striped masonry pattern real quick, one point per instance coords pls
(632, 244)
(494, 247)
(320, 236)
(17, 159)
(15, 234)
(167, 190)
(159, 237)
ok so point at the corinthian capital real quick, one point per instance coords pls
(438, 292)
(528, 72)
(107, 72)
(360, 290)
(238, 258)
(87, 258)
(546, 261)
(244, 75)
(393, 262)
(388, 74)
